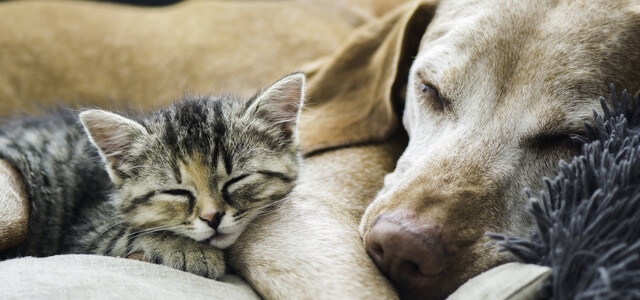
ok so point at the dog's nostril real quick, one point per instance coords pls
(410, 268)
(376, 252)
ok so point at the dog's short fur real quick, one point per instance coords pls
(494, 94)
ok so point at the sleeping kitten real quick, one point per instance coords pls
(177, 185)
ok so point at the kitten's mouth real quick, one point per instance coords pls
(217, 236)
(221, 240)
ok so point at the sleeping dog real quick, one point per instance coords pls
(494, 95)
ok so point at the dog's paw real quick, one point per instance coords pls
(183, 254)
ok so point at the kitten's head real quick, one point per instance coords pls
(203, 167)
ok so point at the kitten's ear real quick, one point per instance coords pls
(113, 135)
(282, 102)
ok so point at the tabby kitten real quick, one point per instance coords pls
(177, 185)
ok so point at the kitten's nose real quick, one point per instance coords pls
(213, 218)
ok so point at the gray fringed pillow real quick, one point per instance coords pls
(588, 218)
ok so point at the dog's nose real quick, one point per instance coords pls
(406, 252)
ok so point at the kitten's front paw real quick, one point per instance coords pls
(183, 254)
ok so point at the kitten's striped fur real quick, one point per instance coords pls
(170, 184)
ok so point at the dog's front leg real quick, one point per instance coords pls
(309, 247)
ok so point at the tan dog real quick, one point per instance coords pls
(494, 94)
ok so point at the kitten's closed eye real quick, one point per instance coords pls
(233, 181)
(258, 186)
(177, 195)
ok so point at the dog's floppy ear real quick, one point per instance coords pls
(356, 97)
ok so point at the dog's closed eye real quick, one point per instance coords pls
(554, 141)
(431, 96)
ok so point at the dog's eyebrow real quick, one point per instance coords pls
(561, 130)
(427, 71)
(564, 120)
(424, 75)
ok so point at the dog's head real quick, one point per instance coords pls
(493, 97)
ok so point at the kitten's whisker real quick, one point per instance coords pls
(149, 230)
(271, 204)
(110, 226)
(254, 212)
(105, 231)
(153, 229)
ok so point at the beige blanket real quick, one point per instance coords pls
(100, 277)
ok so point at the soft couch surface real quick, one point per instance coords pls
(101, 277)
